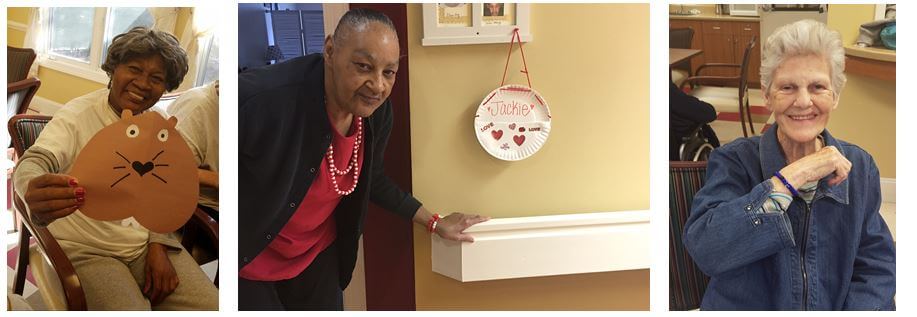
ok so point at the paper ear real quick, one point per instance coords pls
(172, 122)
(126, 114)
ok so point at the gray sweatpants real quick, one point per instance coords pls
(113, 284)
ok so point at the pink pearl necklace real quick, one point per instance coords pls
(352, 166)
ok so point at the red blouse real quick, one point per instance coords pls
(312, 228)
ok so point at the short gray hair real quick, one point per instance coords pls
(143, 42)
(806, 37)
(358, 20)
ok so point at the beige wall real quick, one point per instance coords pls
(846, 18)
(58, 86)
(866, 113)
(596, 81)
(15, 37)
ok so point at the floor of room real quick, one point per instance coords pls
(728, 127)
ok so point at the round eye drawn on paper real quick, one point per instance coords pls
(512, 122)
(163, 135)
(132, 131)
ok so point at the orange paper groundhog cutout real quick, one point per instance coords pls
(139, 167)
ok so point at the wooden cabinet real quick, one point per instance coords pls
(724, 42)
(718, 47)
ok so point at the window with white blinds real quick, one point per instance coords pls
(298, 32)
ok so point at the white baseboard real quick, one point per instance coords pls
(43, 106)
(547, 245)
(888, 189)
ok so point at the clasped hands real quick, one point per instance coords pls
(813, 167)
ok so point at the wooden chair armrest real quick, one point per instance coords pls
(719, 79)
(203, 220)
(52, 252)
(715, 65)
(721, 65)
(199, 221)
(19, 85)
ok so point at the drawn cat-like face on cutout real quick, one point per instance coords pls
(139, 167)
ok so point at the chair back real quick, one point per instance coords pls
(24, 130)
(743, 89)
(681, 38)
(18, 62)
(686, 282)
(19, 95)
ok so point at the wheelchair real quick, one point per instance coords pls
(696, 146)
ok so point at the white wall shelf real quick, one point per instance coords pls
(547, 245)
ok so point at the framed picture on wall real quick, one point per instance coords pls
(474, 23)
(453, 15)
(499, 14)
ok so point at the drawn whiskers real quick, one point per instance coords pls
(120, 179)
(120, 167)
(158, 165)
(140, 168)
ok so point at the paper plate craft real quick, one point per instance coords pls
(512, 122)
(139, 167)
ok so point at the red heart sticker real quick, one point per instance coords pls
(519, 139)
(497, 134)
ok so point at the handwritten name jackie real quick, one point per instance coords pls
(514, 108)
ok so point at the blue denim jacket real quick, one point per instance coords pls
(836, 255)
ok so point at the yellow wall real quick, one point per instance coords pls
(58, 86)
(20, 15)
(866, 113)
(16, 37)
(846, 18)
(595, 77)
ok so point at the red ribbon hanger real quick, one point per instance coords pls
(525, 68)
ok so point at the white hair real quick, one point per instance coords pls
(806, 37)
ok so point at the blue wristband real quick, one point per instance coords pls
(787, 184)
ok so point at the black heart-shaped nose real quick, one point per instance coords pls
(142, 168)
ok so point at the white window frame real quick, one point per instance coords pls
(202, 60)
(879, 14)
(91, 70)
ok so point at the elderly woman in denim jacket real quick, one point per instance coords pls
(790, 220)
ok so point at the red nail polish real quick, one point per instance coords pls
(79, 192)
(73, 182)
(80, 199)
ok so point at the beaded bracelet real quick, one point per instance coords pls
(431, 225)
(786, 183)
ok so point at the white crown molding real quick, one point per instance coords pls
(547, 245)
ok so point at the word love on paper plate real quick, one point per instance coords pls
(139, 167)
(512, 122)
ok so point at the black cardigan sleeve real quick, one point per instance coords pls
(689, 107)
(384, 192)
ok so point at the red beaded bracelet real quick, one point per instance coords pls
(431, 225)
